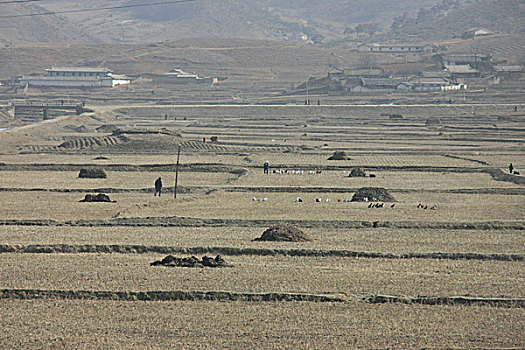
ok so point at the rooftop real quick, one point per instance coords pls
(514, 68)
(382, 81)
(79, 69)
(394, 45)
(461, 69)
(60, 78)
(430, 81)
(465, 57)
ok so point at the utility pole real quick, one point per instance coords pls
(176, 174)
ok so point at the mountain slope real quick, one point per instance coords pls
(319, 22)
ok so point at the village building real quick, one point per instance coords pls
(377, 84)
(430, 84)
(395, 48)
(178, 76)
(509, 71)
(475, 32)
(474, 60)
(84, 77)
(462, 71)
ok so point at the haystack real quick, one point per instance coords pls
(357, 172)
(92, 173)
(101, 197)
(372, 194)
(339, 155)
(284, 233)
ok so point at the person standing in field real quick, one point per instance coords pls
(158, 186)
(266, 167)
(511, 168)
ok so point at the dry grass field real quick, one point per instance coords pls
(316, 275)
(241, 325)
(470, 244)
(361, 239)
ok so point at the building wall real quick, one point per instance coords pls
(67, 83)
(394, 48)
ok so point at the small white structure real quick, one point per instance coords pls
(87, 77)
(483, 31)
(181, 77)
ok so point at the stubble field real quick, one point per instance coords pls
(76, 264)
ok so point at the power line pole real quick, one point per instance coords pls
(176, 174)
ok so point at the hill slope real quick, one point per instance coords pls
(318, 22)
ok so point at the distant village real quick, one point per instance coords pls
(457, 72)
(444, 72)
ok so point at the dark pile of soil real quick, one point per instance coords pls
(101, 158)
(392, 116)
(74, 128)
(101, 197)
(505, 118)
(395, 116)
(284, 233)
(92, 173)
(433, 121)
(172, 261)
(372, 194)
(339, 155)
(357, 172)
(106, 128)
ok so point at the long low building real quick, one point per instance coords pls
(83, 77)
(395, 48)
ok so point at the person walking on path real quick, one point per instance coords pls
(511, 168)
(158, 186)
(266, 167)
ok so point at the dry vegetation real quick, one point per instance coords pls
(241, 325)
(359, 277)
(226, 201)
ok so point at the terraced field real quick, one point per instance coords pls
(441, 266)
